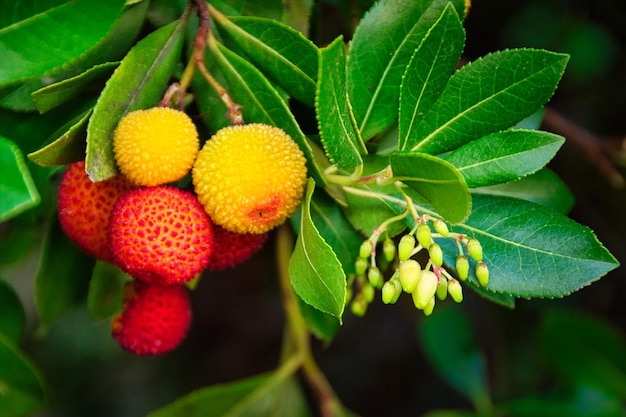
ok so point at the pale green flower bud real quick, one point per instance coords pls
(374, 277)
(405, 247)
(426, 289)
(455, 290)
(389, 250)
(365, 251)
(360, 266)
(441, 227)
(368, 293)
(358, 306)
(424, 235)
(442, 288)
(389, 292)
(428, 310)
(462, 267)
(475, 250)
(436, 254)
(409, 273)
(482, 273)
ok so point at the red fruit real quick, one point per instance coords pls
(232, 248)
(154, 319)
(160, 234)
(85, 207)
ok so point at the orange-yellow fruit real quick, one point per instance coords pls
(154, 319)
(85, 207)
(250, 178)
(231, 249)
(155, 146)
(160, 235)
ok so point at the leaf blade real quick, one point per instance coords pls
(17, 187)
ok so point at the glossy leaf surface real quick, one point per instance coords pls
(16, 187)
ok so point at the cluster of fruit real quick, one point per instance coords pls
(247, 179)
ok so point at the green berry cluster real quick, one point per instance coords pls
(415, 265)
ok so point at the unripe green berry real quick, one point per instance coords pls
(442, 288)
(360, 266)
(426, 289)
(475, 250)
(365, 251)
(436, 254)
(389, 250)
(423, 235)
(409, 273)
(389, 292)
(455, 290)
(368, 293)
(441, 227)
(374, 277)
(405, 247)
(482, 273)
(462, 267)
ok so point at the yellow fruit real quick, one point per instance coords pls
(250, 178)
(155, 146)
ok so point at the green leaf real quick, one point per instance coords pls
(12, 313)
(581, 401)
(438, 181)
(488, 95)
(16, 184)
(276, 394)
(543, 187)
(342, 141)
(138, 83)
(52, 95)
(54, 37)
(284, 54)
(315, 272)
(431, 65)
(260, 102)
(597, 349)
(68, 148)
(13, 12)
(106, 288)
(451, 413)
(63, 276)
(504, 156)
(335, 229)
(21, 388)
(532, 251)
(321, 325)
(380, 50)
(451, 348)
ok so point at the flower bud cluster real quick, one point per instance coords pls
(426, 281)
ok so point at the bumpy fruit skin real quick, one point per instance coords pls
(154, 319)
(160, 235)
(231, 249)
(250, 178)
(85, 207)
(155, 146)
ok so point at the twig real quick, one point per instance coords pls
(588, 142)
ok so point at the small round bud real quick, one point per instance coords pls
(389, 292)
(409, 273)
(441, 227)
(442, 288)
(426, 289)
(360, 266)
(455, 290)
(365, 251)
(475, 250)
(368, 293)
(482, 273)
(428, 310)
(398, 290)
(374, 277)
(423, 235)
(389, 250)
(405, 247)
(436, 254)
(358, 306)
(462, 267)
